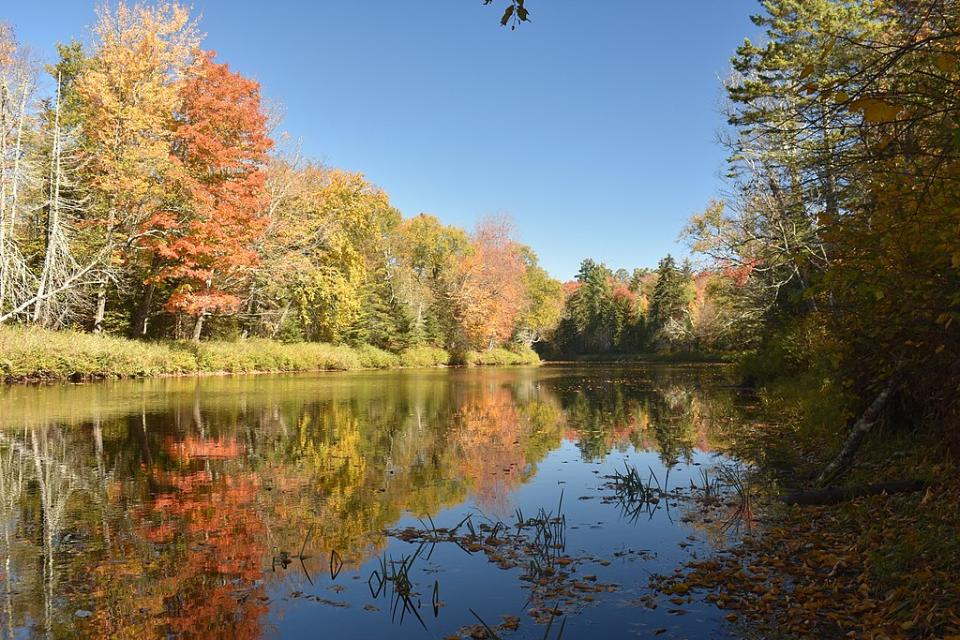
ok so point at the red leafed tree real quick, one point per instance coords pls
(208, 249)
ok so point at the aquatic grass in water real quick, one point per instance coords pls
(736, 477)
(636, 495)
(708, 487)
(392, 580)
(536, 543)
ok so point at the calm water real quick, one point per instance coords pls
(272, 506)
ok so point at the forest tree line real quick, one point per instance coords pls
(146, 196)
(671, 309)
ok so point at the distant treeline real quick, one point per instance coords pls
(672, 309)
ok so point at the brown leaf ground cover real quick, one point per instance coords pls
(877, 567)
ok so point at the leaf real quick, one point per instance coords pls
(506, 16)
(875, 110)
(945, 62)
(806, 71)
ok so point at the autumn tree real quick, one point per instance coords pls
(543, 302)
(490, 292)
(126, 97)
(205, 245)
(893, 282)
(840, 233)
(325, 246)
(429, 254)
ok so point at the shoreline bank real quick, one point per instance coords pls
(35, 356)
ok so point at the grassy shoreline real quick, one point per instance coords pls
(29, 354)
(680, 357)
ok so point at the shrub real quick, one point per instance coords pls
(373, 358)
(424, 357)
(514, 356)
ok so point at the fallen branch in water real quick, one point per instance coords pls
(834, 495)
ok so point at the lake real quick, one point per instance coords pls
(406, 504)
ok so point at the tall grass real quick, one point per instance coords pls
(500, 356)
(36, 353)
(29, 353)
(424, 357)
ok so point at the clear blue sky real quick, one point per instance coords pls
(595, 131)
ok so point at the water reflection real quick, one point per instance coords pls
(195, 507)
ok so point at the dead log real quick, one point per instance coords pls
(836, 495)
(839, 465)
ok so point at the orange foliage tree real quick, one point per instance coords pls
(221, 141)
(491, 292)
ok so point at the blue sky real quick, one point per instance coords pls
(594, 126)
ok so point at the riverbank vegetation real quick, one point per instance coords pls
(673, 312)
(36, 355)
(841, 231)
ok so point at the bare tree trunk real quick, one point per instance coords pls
(101, 308)
(251, 307)
(138, 327)
(8, 216)
(834, 495)
(73, 281)
(18, 153)
(198, 327)
(279, 324)
(53, 209)
(839, 465)
(3, 196)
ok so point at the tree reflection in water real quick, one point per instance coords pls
(160, 507)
